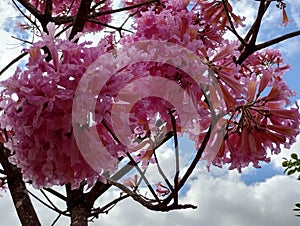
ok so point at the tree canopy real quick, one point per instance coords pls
(91, 116)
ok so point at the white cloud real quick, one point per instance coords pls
(225, 201)
(293, 8)
(222, 201)
(10, 48)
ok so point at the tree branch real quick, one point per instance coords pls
(51, 206)
(192, 166)
(32, 9)
(105, 209)
(27, 17)
(277, 40)
(150, 204)
(99, 188)
(69, 19)
(232, 28)
(58, 195)
(18, 190)
(81, 17)
(260, 14)
(176, 177)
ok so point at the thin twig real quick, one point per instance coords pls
(96, 5)
(21, 40)
(49, 206)
(27, 17)
(100, 188)
(50, 202)
(105, 209)
(193, 164)
(69, 19)
(32, 9)
(176, 177)
(119, 29)
(57, 194)
(150, 204)
(161, 172)
(13, 62)
(277, 40)
(232, 28)
(143, 176)
(132, 161)
(56, 219)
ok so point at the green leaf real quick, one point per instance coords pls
(294, 156)
(298, 205)
(285, 164)
(290, 172)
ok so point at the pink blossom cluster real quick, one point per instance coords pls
(255, 94)
(259, 117)
(37, 102)
(38, 105)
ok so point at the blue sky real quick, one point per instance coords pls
(262, 196)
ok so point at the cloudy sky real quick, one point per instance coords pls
(256, 197)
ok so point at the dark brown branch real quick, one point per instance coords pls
(52, 207)
(33, 10)
(13, 62)
(150, 204)
(277, 40)
(18, 190)
(232, 28)
(105, 209)
(253, 33)
(192, 166)
(27, 17)
(262, 9)
(99, 188)
(78, 206)
(81, 17)
(57, 194)
(69, 19)
(48, 9)
(176, 177)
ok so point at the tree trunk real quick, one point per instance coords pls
(79, 216)
(18, 191)
(78, 206)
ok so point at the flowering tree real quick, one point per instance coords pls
(90, 117)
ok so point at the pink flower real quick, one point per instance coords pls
(260, 122)
(214, 12)
(131, 182)
(146, 157)
(43, 144)
(161, 189)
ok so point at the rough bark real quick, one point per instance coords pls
(78, 206)
(18, 191)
